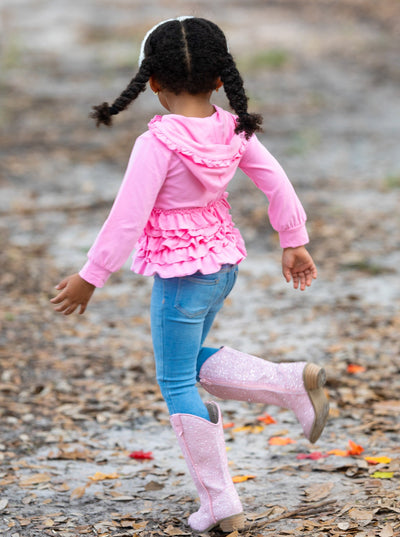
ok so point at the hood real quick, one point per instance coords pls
(208, 146)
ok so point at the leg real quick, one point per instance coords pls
(182, 311)
(176, 341)
(203, 446)
(231, 374)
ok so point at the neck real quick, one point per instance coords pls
(189, 105)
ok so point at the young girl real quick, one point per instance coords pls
(172, 207)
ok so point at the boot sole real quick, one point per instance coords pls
(232, 523)
(314, 378)
(228, 524)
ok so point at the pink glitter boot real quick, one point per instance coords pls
(231, 374)
(203, 446)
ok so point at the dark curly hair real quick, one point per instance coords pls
(187, 55)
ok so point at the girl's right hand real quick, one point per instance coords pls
(75, 292)
(298, 265)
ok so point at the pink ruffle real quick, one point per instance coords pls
(179, 242)
(156, 127)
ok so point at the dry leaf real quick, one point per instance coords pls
(171, 530)
(78, 492)
(99, 476)
(153, 485)
(3, 504)
(386, 531)
(35, 480)
(358, 515)
(318, 491)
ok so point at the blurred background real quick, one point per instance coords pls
(325, 75)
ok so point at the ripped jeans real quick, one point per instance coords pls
(182, 312)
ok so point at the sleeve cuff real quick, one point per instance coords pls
(292, 238)
(94, 274)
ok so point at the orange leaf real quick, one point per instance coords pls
(241, 478)
(99, 476)
(280, 441)
(338, 452)
(355, 449)
(355, 368)
(267, 419)
(228, 425)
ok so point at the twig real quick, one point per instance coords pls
(309, 509)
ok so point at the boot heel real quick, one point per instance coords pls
(314, 377)
(232, 523)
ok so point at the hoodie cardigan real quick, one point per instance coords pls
(172, 204)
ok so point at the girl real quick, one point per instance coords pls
(172, 207)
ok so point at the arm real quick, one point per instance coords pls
(129, 214)
(285, 211)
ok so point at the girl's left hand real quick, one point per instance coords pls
(75, 292)
(298, 265)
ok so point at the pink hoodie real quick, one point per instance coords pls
(172, 204)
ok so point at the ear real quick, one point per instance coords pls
(218, 84)
(154, 85)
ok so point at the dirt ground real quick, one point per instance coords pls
(77, 394)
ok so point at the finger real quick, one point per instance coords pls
(82, 309)
(302, 277)
(309, 278)
(287, 275)
(295, 281)
(62, 307)
(70, 309)
(62, 284)
(59, 298)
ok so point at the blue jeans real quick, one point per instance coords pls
(182, 312)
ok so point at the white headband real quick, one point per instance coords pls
(141, 55)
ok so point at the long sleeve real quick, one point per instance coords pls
(143, 179)
(285, 211)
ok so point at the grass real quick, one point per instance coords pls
(273, 59)
(392, 181)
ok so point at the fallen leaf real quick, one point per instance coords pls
(267, 419)
(353, 369)
(141, 455)
(99, 476)
(228, 425)
(383, 475)
(280, 441)
(153, 485)
(255, 429)
(387, 531)
(171, 530)
(378, 460)
(338, 452)
(78, 492)
(35, 480)
(360, 515)
(314, 456)
(241, 478)
(355, 449)
(3, 504)
(318, 491)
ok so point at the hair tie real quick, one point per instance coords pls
(142, 54)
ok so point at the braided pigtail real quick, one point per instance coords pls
(102, 113)
(233, 85)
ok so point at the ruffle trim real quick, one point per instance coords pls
(182, 242)
(155, 126)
